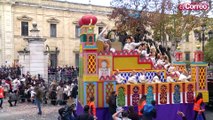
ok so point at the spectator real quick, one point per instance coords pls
(1, 95)
(112, 103)
(38, 99)
(141, 104)
(85, 115)
(124, 115)
(92, 107)
(59, 92)
(198, 102)
(149, 111)
(67, 113)
(6, 87)
(74, 95)
(132, 114)
(182, 115)
(13, 97)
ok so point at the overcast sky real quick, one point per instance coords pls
(94, 2)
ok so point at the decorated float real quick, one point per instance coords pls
(97, 78)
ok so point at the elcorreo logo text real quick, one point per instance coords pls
(194, 6)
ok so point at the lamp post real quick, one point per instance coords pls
(203, 28)
(48, 51)
(56, 56)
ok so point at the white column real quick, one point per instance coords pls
(37, 59)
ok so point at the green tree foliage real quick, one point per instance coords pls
(163, 16)
(208, 55)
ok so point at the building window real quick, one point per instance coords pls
(100, 29)
(187, 56)
(24, 28)
(77, 31)
(53, 30)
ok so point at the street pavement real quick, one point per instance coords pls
(28, 111)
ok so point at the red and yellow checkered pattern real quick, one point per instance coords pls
(91, 66)
(109, 90)
(193, 73)
(90, 91)
(202, 78)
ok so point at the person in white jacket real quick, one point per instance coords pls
(156, 78)
(184, 76)
(119, 78)
(142, 78)
(130, 44)
(132, 78)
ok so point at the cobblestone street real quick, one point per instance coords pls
(27, 111)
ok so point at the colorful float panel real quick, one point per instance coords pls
(176, 96)
(150, 91)
(135, 94)
(163, 93)
(121, 95)
(90, 90)
(189, 92)
(109, 87)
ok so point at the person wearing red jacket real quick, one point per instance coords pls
(1, 95)
(92, 107)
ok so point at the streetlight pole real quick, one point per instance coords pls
(203, 28)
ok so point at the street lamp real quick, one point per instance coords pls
(203, 28)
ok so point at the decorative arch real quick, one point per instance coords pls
(53, 20)
(24, 18)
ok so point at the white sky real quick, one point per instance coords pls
(94, 2)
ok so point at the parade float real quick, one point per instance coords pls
(97, 78)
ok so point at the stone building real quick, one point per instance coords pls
(57, 22)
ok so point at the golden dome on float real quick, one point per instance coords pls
(198, 46)
(178, 47)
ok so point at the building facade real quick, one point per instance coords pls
(57, 22)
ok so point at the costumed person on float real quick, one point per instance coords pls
(119, 78)
(142, 77)
(132, 78)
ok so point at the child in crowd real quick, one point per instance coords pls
(92, 107)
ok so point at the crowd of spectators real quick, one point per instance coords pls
(63, 73)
